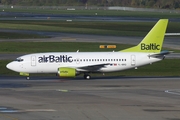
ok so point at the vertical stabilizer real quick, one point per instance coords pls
(153, 41)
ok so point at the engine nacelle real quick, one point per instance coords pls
(67, 72)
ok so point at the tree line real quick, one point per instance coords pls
(165, 4)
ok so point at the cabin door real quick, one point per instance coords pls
(133, 60)
(33, 60)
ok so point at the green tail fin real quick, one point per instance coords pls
(153, 41)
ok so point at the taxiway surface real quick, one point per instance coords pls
(51, 98)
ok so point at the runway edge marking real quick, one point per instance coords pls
(175, 92)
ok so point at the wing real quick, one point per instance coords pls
(93, 68)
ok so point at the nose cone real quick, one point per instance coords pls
(9, 66)
(12, 66)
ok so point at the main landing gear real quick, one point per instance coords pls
(87, 76)
(27, 78)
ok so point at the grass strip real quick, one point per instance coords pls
(10, 35)
(99, 28)
(72, 29)
(34, 47)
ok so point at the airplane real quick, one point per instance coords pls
(71, 64)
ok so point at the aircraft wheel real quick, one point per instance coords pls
(87, 77)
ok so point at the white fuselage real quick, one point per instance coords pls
(50, 62)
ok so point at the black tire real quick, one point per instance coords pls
(87, 77)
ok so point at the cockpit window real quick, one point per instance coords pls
(19, 60)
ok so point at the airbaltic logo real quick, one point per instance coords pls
(151, 46)
(52, 58)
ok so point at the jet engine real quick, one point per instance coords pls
(67, 72)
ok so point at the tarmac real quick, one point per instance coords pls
(103, 98)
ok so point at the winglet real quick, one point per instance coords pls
(152, 42)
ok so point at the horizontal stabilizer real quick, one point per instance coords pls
(161, 54)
